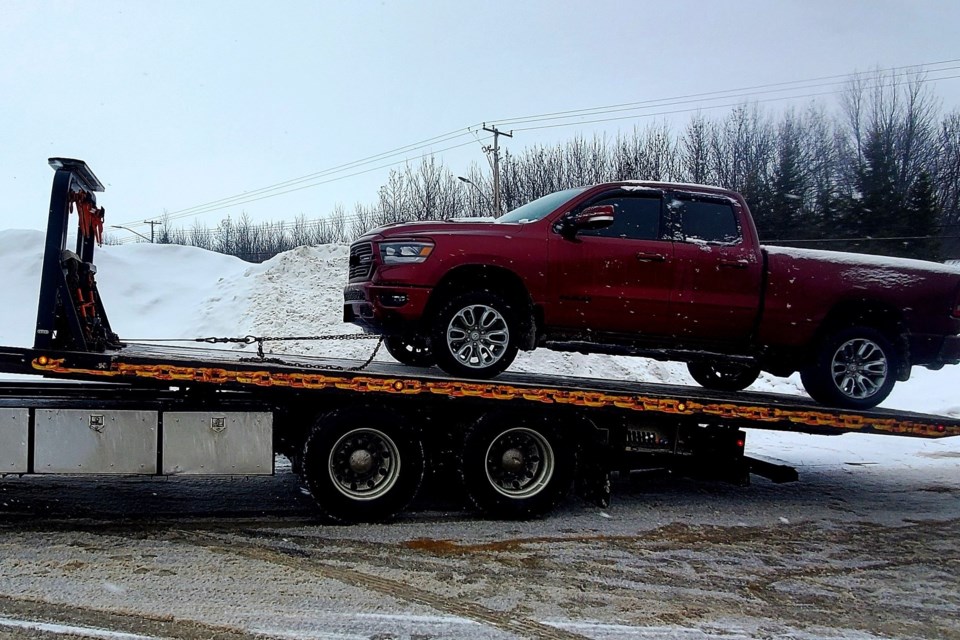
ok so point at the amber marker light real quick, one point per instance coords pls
(398, 385)
(43, 360)
(682, 406)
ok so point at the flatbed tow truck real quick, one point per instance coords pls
(362, 436)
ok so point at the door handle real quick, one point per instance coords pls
(731, 264)
(651, 257)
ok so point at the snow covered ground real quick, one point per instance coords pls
(863, 547)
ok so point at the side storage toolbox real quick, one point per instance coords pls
(217, 443)
(93, 441)
(14, 436)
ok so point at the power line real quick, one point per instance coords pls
(217, 207)
(720, 94)
(447, 137)
(746, 92)
(677, 111)
(703, 107)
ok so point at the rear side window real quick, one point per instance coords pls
(706, 221)
(635, 219)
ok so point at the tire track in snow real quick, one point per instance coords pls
(34, 615)
(300, 559)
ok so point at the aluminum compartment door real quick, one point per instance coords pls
(14, 431)
(217, 443)
(91, 441)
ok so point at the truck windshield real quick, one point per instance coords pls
(537, 209)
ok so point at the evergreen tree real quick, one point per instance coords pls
(921, 219)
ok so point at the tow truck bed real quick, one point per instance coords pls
(158, 365)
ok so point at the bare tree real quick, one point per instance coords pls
(694, 151)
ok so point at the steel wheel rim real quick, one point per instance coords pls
(519, 463)
(859, 368)
(478, 336)
(364, 464)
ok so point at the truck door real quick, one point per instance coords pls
(718, 272)
(619, 278)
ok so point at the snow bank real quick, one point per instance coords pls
(167, 291)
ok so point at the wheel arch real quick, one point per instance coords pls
(470, 277)
(876, 314)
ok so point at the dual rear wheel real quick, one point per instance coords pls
(365, 465)
(362, 465)
(516, 467)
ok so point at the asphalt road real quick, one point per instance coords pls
(852, 551)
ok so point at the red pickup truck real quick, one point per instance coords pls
(668, 271)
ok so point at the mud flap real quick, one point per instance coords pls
(777, 473)
(592, 483)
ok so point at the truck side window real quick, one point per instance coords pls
(706, 221)
(635, 219)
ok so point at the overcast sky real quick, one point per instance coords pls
(179, 103)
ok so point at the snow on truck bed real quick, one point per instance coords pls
(861, 259)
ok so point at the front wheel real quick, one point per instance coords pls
(516, 467)
(855, 368)
(723, 376)
(362, 465)
(411, 351)
(475, 334)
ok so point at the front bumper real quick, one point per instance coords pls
(383, 308)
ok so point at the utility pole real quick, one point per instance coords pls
(496, 164)
(152, 223)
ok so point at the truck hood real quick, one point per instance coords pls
(472, 226)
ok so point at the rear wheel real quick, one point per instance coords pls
(475, 334)
(362, 465)
(855, 368)
(516, 467)
(412, 351)
(723, 376)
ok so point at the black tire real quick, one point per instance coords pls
(475, 334)
(362, 465)
(855, 368)
(723, 376)
(516, 467)
(411, 351)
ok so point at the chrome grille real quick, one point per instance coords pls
(361, 260)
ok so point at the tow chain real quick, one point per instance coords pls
(261, 356)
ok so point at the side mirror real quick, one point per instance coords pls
(595, 217)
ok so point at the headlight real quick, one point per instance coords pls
(405, 251)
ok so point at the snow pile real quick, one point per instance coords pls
(168, 291)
